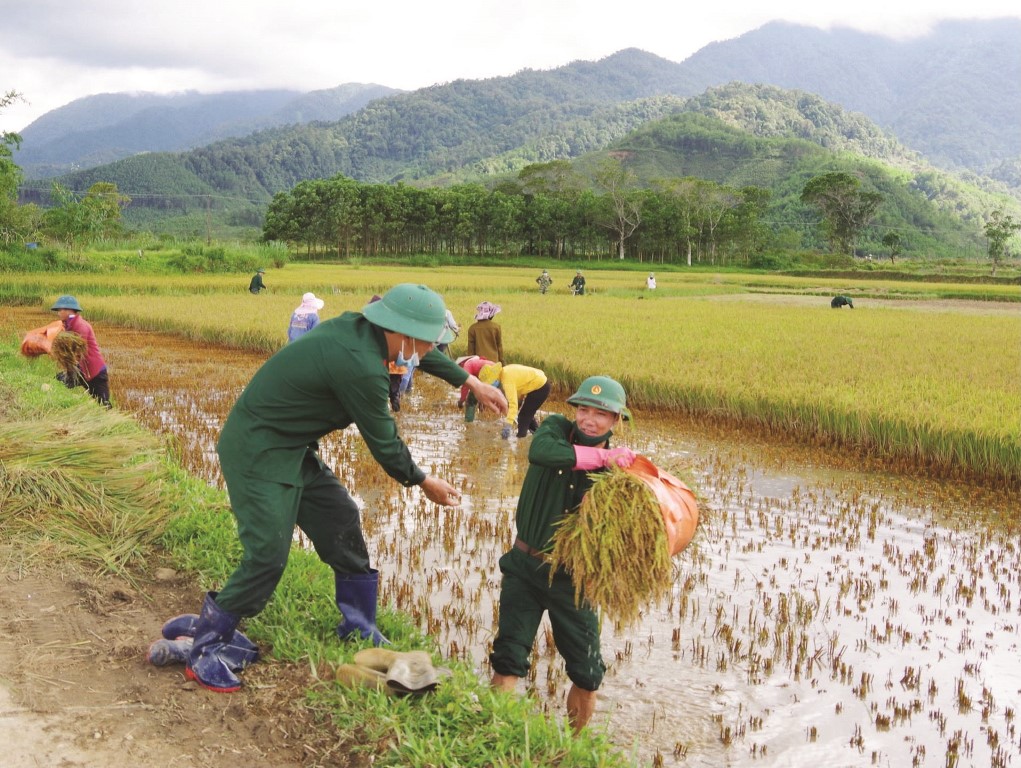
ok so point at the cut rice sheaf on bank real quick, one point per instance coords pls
(615, 547)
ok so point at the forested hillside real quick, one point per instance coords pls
(107, 127)
(487, 131)
(687, 187)
(953, 94)
(737, 136)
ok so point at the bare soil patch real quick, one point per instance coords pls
(76, 689)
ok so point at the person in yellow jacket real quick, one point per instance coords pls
(525, 388)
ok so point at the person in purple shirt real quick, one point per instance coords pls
(305, 317)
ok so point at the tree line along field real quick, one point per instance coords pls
(933, 388)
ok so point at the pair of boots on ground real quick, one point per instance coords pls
(398, 673)
(212, 649)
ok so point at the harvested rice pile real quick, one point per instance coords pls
(68, 350)
(86, 481)
(615, 547)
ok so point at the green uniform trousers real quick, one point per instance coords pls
(524, 594)
(266, 514)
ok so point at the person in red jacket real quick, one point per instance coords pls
(92, 373)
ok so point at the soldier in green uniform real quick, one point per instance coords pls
(256, 285)
(545, 281)
(578, 284)
(336, 376)
(560, 458)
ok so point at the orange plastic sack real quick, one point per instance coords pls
(40, 341)
(676, 502)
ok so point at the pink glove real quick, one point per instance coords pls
(598, 458)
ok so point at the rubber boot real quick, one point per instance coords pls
(213, 632)
(184, 626)
(356, 599)
(165, 652)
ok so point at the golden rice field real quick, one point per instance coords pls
(937, 388)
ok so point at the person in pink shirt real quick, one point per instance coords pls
(92, 373)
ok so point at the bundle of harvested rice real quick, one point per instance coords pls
(87, 481)
(68, 350)
(615, 548)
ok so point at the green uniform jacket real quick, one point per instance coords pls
(333, 376)
(552, 488)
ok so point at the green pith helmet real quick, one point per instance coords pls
(67, 302)
(602, 392)
(413, 310)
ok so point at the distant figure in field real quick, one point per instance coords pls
(452, 326)
(840, 301)
(650, 282)
(485, 337)
(305, 317)
(544, 281)
(578, 284)
(257, 285)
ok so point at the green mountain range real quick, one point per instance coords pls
(956, 92)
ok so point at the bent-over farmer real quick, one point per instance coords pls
(276, 479)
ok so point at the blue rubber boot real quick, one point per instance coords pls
(213, 632)
(165, 652)
(184, 626)
(356, 599)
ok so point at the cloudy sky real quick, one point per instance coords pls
(55, 51)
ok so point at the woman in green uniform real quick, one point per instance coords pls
(560, 458)
(268, 449)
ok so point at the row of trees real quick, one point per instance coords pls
(75, 220)
(548, 210)
(551, 211)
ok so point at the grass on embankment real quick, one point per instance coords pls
(81, 482)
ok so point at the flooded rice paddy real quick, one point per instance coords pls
(825, 615)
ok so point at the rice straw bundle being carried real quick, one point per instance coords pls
(68, 349)
(618, 546)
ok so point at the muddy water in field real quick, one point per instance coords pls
(825, 615)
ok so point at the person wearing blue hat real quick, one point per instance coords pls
(276, 477)
(92, 371)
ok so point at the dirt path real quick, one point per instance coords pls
(75, 689)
